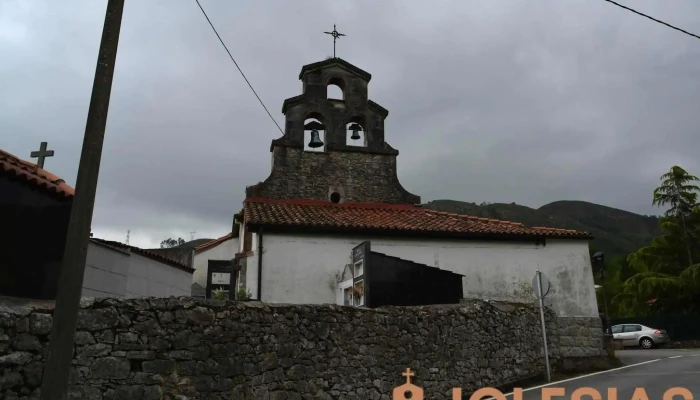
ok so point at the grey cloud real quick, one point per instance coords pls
(495, 101)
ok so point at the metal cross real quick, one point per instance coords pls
(41, 154)
(335, 35)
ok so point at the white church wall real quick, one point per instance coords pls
(251, 282)
(241, 235)
(149, 277)
(224, 251)
(300, 269)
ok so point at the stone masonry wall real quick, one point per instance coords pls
(148, 349)
(356, 176)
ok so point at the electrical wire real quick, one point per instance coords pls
(654, 19)
(239, 68)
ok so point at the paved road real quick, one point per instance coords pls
(661, 370)
(639, 355)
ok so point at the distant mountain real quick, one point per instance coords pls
(615, 231)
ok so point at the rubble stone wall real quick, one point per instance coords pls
(148, 349)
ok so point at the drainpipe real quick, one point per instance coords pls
(260, 253)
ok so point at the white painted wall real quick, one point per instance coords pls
(149, 277)
(298, 269)
(111, 272)
(251, 281)
(106, 272)
(224, 251)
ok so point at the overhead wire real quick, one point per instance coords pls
(654, 19)
(239, 68)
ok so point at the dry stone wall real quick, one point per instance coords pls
(149, 349)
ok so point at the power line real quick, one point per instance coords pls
(239, 68)
(654, 19)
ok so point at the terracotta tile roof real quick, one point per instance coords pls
(144, 253)
(28, 172)
(215, 242)
(386, 217)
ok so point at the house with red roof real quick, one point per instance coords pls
(333, 185)
(35, 207)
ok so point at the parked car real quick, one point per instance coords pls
(636, 335)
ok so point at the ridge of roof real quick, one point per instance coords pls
(406, 218)
(213, 243)
(145, 253)
(386, 206)
(339, 61)
(30, 173)
(311, 202)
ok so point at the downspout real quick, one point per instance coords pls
(260, 253)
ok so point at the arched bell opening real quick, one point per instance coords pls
(314, 135)
(355, 134)
(335, 89)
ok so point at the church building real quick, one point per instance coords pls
(333, 186)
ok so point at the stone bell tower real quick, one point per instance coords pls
(333, 149)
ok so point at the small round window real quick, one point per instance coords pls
(335, 197)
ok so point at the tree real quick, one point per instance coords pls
(666, 280)
(679, 192)
(170, 242)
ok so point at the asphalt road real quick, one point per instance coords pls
(654, 370)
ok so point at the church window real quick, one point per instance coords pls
(359, 269)
(335, 197)
(314, 135)
(355, 135)
(335, 89)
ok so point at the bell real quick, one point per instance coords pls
(355, 129)
(315, 140)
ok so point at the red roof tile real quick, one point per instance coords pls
(385, 217)
(29, 172)
(213, 243)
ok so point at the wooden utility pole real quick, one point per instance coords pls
(54, 384)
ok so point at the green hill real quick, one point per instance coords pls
(615, 231)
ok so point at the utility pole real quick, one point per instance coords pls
(54, 384)
(127, 237)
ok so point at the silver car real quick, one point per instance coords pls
(633, 335)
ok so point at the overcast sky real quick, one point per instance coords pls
(530, 101)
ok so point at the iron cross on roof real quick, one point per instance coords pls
(41, 154)
(335, 35)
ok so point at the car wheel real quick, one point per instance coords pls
(646, 343)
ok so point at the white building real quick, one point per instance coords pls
(217, 250)
(118, 270)
(333, 185)
(498, 259)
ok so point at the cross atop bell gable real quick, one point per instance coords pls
(333, 147)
